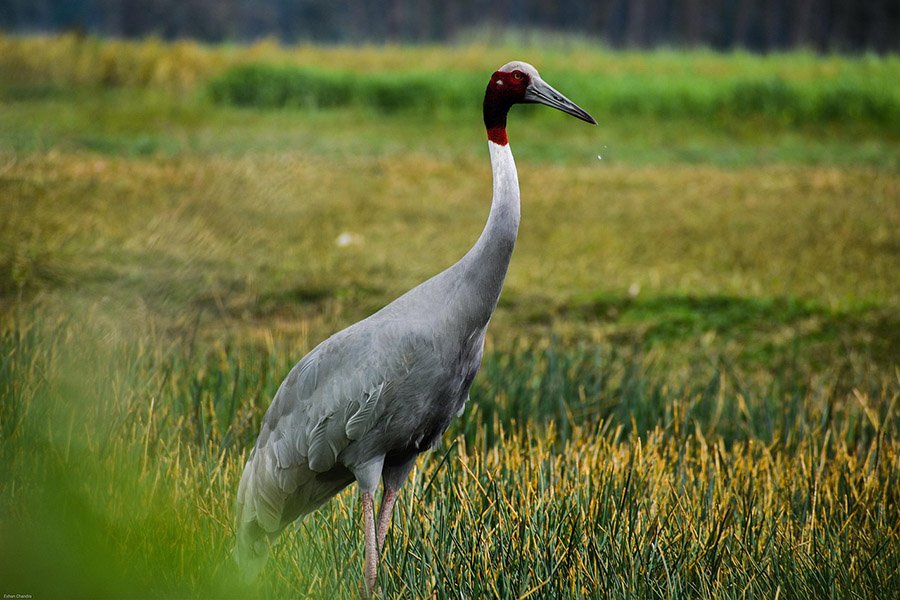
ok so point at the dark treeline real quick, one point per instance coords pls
(759, 25)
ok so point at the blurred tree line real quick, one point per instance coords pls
(759, 25)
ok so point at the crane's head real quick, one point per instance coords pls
(519, 83)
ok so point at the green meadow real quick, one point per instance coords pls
(691, 383)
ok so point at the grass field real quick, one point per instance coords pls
(691, 382)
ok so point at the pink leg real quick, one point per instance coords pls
(371, 564)
(384, 514)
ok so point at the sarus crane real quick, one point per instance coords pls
(363, 404)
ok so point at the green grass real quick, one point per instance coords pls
(868, 102)
(661, 107)
(690, 387)
(587, 471)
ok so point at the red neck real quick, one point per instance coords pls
(498, 135)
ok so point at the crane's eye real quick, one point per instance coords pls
(517, 75)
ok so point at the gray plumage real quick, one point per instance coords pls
(386, 387)
(365, 402)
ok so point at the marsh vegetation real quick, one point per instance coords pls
(691, 382)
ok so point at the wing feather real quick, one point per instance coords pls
(362, 419)
(321, 453)
(269, 498)
(332, 398)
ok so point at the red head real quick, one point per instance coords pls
(519, 83)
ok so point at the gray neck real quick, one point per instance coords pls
(485, 265)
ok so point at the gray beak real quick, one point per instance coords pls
(540, 92)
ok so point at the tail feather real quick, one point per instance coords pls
(251, 551)
(264, 506)
(252, 547)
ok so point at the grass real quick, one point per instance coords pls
(691, 382)
(655, 484)
(811, 102)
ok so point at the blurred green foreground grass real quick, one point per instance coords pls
(691, 382)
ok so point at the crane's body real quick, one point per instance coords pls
(364, 403)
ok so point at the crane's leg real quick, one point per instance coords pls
(367, 476)
(384, 514)
(370, 569)
(394, 476)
